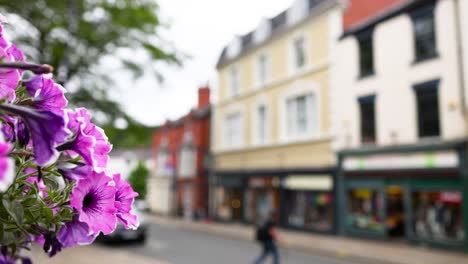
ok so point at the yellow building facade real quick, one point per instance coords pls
(271, 125)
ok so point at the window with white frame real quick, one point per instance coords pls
(187, 162)
(163, 166)
(233, 134)
(234, 81)
(262, 66)
(299, 52)
(187, 155)
(301, 116)
(261, 124)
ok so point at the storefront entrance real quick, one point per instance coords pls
(262, 197)
(228, 204)
(395, 211)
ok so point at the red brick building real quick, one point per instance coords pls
(180, 147)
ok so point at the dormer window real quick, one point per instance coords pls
(263, 31)
(298, 11)
(234, 47)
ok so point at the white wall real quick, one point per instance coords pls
(395, 75)
(463, 4)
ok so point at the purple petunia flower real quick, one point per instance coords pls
(22, 133)
(7, 165)
(47, 130)
(51, 245)
(90, 141)
(75, 172)
(5, 256)
(9, 78)
(8, 128)
(75, 233)
(94, 198)
(47, 94)
(124, 197)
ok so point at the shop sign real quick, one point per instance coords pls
(263, 182)
(450, 197)
(426, 160)
(308, 182)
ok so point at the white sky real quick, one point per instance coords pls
(200, 29)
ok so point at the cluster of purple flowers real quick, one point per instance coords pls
(37, 132)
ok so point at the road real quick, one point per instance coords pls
(178, 246)
(172, 245)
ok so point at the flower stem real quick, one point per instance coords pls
(35, 68)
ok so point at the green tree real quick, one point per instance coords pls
(133, 136)
(75, 36)
(138, 179)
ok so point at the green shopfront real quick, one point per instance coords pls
(414, 193)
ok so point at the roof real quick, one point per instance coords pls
(355, 21)
(359, 11)
(197, 113)
(278, 24)
(137, 153)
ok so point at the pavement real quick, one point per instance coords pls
(332, 248)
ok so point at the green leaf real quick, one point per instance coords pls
(8, 238)
(53, 185)
(48, 214)
(15, 210)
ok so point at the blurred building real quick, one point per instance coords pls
(179, 184)
(271, 133)
(399, 117)
(124, 161)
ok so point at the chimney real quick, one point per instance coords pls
(203, 96)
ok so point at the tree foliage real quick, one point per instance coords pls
(138, 179)
(74, 36)
(133, 136)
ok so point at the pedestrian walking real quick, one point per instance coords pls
(267, 236)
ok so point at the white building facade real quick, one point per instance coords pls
(399, 123)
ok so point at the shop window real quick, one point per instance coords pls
(366, 56)
(365, 210)
(428, 109)
(310, 210)
(367, 109)
(424, 33)
(438, 216)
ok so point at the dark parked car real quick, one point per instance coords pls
(121, 234)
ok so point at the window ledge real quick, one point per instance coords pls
(430, 138)
(366, 76)
(425, 59)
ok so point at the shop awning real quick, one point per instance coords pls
(312, 182)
